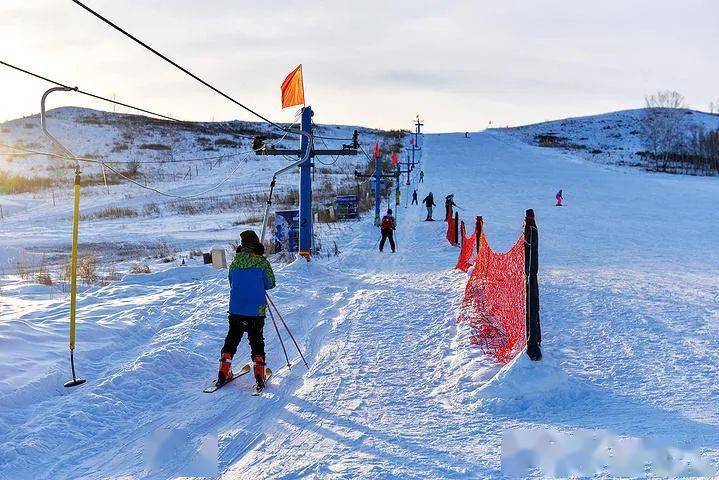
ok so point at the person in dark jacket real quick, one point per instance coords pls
(559, 197)
(414, 198)
(250, 276)
(421, 176)
(448, 205)
(429, 203)
(388, 226)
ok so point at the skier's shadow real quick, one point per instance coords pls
(420, 453)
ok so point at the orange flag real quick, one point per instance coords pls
(395, 158)
(376, 152)
(293, 89)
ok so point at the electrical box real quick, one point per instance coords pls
(219, 258)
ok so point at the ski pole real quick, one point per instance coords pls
(284, 350)
(288, 329)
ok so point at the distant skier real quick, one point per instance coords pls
(388, 226)
(429, 203)
(414, 198)
(250, 276)
(466, 134)
(448, 206)
(559, 198)
(421, 176)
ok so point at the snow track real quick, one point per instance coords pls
(629, 303)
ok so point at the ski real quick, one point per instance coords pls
(255, 389)
(215, 386)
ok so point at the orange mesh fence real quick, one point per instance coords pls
(494, 301)
(469, 251)
(451, 226)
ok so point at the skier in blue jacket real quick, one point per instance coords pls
(250, 277)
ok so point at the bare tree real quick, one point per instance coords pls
(664, 129)
(133, 168)
(666, 99)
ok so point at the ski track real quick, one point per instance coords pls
(629, 303)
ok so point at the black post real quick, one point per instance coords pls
(531, 268)
(478, 229)
(456, 228)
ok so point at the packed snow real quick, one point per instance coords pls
(629, 305)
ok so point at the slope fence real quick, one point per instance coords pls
(499, 299)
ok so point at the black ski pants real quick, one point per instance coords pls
(387, 234)
(414, 201)
(238, 325)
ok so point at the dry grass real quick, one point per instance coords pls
(13, 183)
(87, 268)
(162, 250)
(140, 268)
(111, 212)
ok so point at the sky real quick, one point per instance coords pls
(458, 64)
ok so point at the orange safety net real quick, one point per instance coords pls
(451, 227)
(469, 251)
(494, 301)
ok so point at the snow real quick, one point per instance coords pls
(629, 307)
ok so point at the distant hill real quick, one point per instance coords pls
(117, 137)
(610, 138)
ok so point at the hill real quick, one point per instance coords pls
(611, 138)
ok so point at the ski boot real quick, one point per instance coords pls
(259, 371)
(225, 373)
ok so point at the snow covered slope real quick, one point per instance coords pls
(629, 303)
(610, 138)
(213, 163)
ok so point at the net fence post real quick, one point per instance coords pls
(478, 230)
(456, 228)
(531, 268)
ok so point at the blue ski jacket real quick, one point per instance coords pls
(250, 277)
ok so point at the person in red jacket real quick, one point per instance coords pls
(388, 227)
(559, 198)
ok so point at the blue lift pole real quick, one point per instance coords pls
(377, 189)
(306, 187)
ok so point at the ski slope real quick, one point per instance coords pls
(629, 304)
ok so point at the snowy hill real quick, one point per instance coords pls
(117, 137)
(628, 292)
(212, 185)
(610, 138)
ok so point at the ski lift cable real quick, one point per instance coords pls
(126, 105)
(84, 92)
(140, 162)
(178, 66)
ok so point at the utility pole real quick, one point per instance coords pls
(306, 229)
(418, 124)
(308, 151)
(415, 145)
(378, 176)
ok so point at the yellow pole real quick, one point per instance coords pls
(73, 265)
(73, 280)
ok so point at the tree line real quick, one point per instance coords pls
(672, 142)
